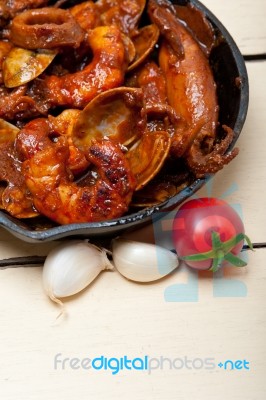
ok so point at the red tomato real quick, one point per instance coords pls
(210, 231)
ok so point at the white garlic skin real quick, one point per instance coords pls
(71, 267)
(142, 262)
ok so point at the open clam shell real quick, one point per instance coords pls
(116, 113)
(120, 115)
(144, 42)
(22, 66)
(147, 156)
(129, 47)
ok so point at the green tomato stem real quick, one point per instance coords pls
(221, 251)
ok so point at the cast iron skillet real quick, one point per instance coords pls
(228, 64)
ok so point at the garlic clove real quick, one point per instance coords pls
(142, 262)
(71, 267)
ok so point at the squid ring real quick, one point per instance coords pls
(46, 28)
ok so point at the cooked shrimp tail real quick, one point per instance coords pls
(56, 196)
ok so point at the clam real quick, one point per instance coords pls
(22, 66)
(120, 114)
(144, 42)
(147, 156)
(116, 113)
(129, 47)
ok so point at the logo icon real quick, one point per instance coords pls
(187, 287)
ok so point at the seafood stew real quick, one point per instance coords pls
(152, 105)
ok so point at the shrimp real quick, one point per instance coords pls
(40, 132)
(191, 91)
(105, 71)
(63, 125)
(58, 197)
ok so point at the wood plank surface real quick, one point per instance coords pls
(115, 317)
(245, 20)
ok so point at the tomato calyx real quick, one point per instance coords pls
(221, 251)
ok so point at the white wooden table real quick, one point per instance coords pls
(115, 317)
